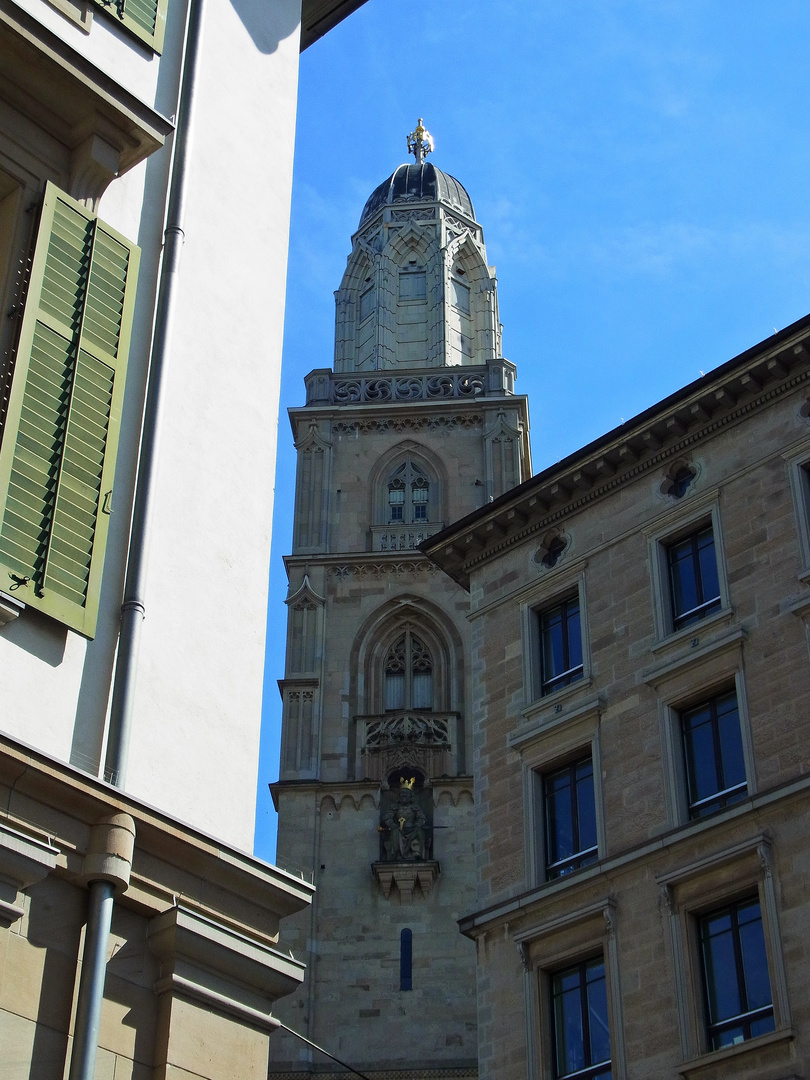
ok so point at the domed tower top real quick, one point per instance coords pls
(418, 183)
(421, 182)
(417, 291)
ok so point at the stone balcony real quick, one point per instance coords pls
(422, 739)
(402, 537)
(496, 378)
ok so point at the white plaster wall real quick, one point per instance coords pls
(198, 711)
(109, 47)
(195, 736)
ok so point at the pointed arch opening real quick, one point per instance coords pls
(408, 488)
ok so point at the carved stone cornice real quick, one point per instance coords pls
(673, 426)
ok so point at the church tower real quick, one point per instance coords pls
(415, 426)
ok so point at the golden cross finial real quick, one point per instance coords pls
(420, 142)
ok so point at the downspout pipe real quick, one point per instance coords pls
(91, 982)
(133, 609)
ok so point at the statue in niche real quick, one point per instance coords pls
(404, 826)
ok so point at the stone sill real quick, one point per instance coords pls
(700, 1065)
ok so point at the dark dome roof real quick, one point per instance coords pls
(418, 183)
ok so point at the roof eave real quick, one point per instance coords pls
(510, 516)
(318, 17)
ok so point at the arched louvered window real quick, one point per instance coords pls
(408, 495)
(408, 674)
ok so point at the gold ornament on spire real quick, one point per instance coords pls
(420, 142)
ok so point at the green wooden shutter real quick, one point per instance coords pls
(59, 442)
(146, 18)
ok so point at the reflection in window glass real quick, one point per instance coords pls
(713, 752)
(580, 1022)
(694, 582)
(560, 645)
(570, 814)
(735, 974)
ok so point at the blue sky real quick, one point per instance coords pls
(640, 169)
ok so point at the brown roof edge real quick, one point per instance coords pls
(434, 545)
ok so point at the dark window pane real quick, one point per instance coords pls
(693, 575)
(561, 645)
(570, 818)
(598, 1028)
(586, 806)
(406, 959)
(718, 950)
(684, 578)
(731, 749)
(580, 1021)
(754, 958)
(735, 974)
(713, 755)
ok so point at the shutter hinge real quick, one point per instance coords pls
(106, 506)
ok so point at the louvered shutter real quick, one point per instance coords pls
(146, 18)
(57, 455)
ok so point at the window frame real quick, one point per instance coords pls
(552, 592)
(738, 872)
(590, 1069)
(694, 681)
(552, 946)
(571, 673)
(413, 474)
(549, 742)
(408, 633)
(715, 1028)
(582, 857)
(799, 473)
(677, 527)
(724, 796)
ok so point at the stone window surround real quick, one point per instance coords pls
(553, 741)
(685, 681)
(799, 473)
(546, 948)
(693, 890)
(682, 522)
(551, 591)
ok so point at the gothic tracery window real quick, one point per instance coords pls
(408, 495)
(408, 674)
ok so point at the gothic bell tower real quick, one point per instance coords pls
(416, 425)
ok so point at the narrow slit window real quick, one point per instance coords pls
(406, 959)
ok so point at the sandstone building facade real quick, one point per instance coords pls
(639, 681)
(417, 424)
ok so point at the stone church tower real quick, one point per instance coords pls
(416, 426)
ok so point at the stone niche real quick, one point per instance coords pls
(406, 836)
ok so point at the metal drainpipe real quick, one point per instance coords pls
(133, 608)
(100, 908)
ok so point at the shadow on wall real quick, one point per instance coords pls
(269, 24)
